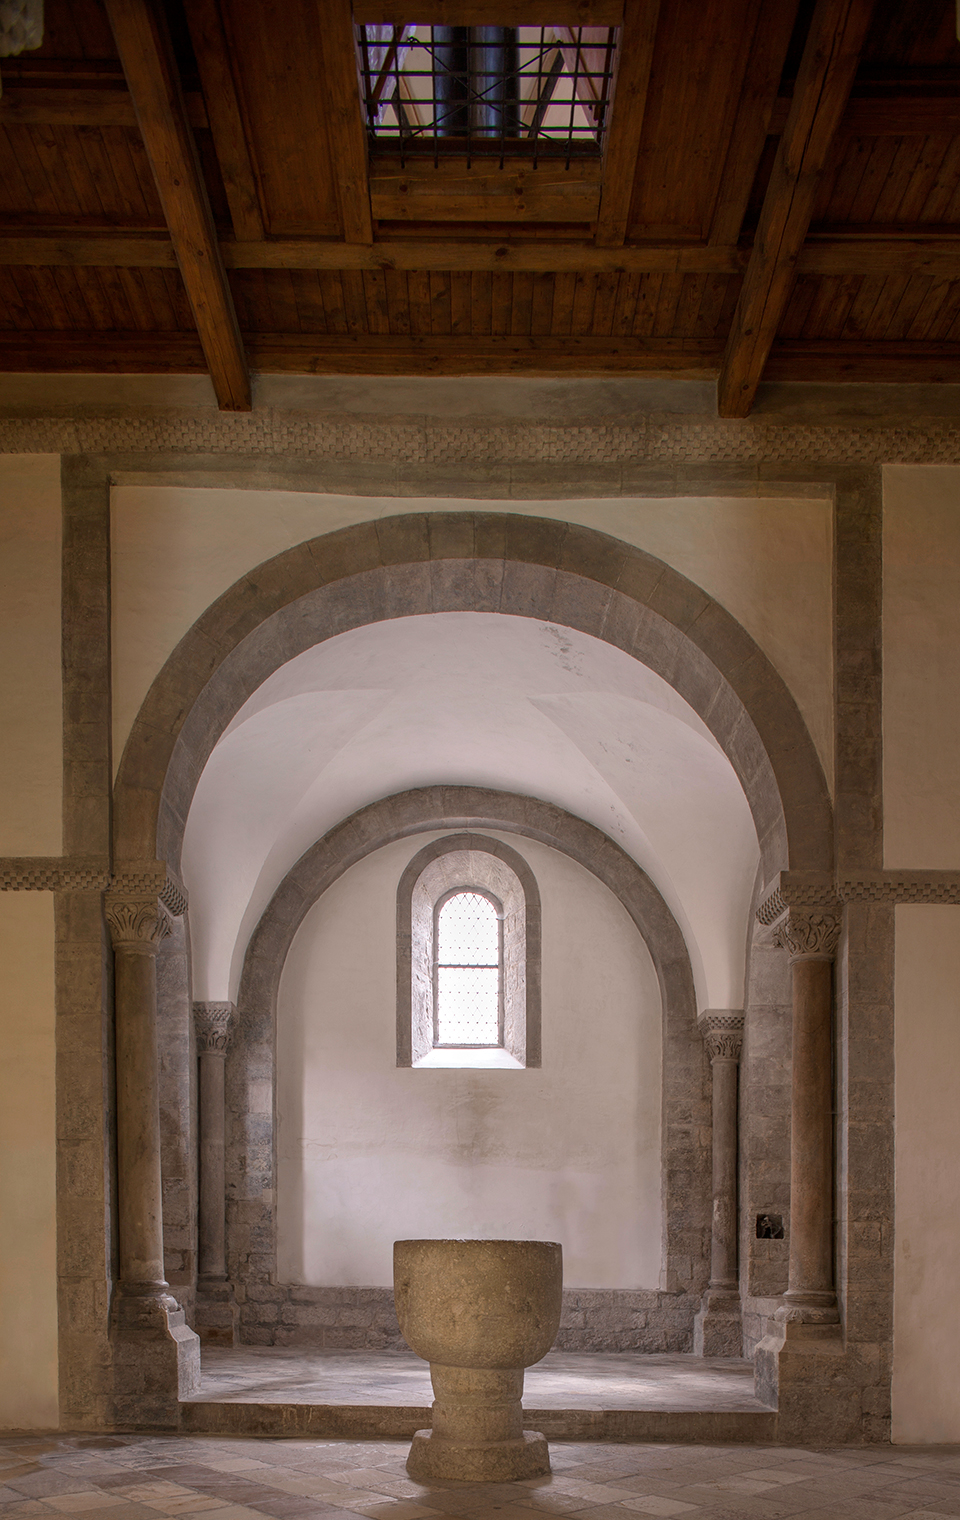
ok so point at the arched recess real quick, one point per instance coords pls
(480, 562)
(685, 1131)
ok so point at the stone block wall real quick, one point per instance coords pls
(364, 1319)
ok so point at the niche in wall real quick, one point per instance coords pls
(369, 1152)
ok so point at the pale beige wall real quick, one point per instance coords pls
(926, 1389)
(921, 666)
(369, 1152)
(28, 1229)
(30, 690)
(768, 561)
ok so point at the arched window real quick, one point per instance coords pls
(468, 957)
(468, 972)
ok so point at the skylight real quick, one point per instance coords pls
(487, 90)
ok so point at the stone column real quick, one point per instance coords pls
(163, 1359)
(212, 1023)
(216, 1305)
(811, 935)
(718, 1327)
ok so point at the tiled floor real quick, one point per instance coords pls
(153, 1477)
(563, 1380)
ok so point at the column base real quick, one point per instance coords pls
(156, 1359)
(479, 1461)
(718, 1324)
(802, 1307)
(805, 1373)
(217, 1316)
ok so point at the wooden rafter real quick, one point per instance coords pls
(622, 146)
(932, 254)
(344, 116)
(826, 73)
(897, 115)
(226, 120)
(294, 353)
(771, 39)
(161, 116)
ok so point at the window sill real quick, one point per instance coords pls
(475, 1060)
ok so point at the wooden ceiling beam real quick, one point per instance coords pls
(226, 119)
(933, 255)
(343, 112)
(161, 116)
(827, 68)
(758, 97)
(272, 353)
(621, 149)
(491, 12)
(84, 106)
(869, 116)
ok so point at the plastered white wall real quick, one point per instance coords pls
(31, 754)
(926, 1328)
(28, 1221)
(369, 1153)
(767, 561)
(921, 668)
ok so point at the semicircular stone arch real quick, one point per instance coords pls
(464, 811)
(479, 562)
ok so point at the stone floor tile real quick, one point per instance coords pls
(600, 1493)
(41, 1484)
(395, 1509)
(78, 1503)
(656, 1504)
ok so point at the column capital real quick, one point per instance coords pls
(809, 933)
(722, 1030)
(212, 1024)
(137, 923)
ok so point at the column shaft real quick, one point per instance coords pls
(212, 1262)
(811, 1149)
(138, 1121)
(723, 1246)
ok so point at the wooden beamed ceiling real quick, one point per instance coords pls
(185, 185)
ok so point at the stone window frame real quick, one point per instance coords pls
(479, 863)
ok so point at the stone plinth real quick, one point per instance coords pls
(479, 1311)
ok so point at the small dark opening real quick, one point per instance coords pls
(769, 1226)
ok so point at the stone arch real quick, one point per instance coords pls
(685, 1123)
(484, 562)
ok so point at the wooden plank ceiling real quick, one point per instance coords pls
(187, 186)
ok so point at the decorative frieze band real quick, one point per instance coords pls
(794, 890)
(415, 442)
(52, 873)
(722, 1030)
(212, 1025)
(63, 873)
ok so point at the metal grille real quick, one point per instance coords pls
(468, 972)
(540, 91)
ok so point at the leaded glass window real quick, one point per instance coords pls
(468, 1001)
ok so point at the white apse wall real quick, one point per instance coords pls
(369, 1153)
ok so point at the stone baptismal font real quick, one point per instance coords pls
(479, 1311)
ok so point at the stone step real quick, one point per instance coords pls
(397, 1422)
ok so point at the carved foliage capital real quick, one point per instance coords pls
(722, 1030)
(809, 934)
(212, 1023)
(137, 923)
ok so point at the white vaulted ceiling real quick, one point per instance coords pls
(463, 698)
